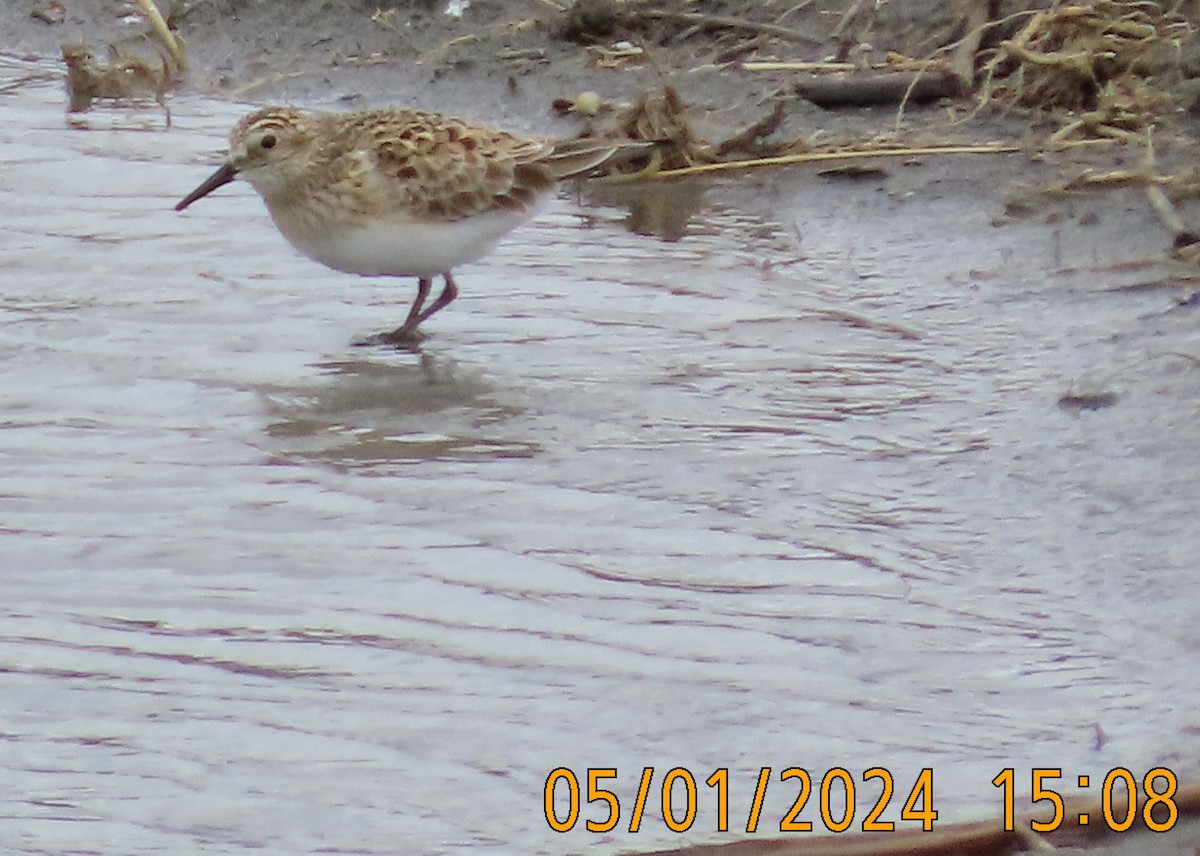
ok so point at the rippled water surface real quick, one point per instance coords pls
(777, 477)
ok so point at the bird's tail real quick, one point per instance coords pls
(567, 158)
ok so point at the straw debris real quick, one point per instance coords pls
(126, 75)
(1103, 66)
(122, 78)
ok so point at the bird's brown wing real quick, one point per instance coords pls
(433, 167)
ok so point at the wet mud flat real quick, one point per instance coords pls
(789, 469)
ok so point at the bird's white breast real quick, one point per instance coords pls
(400, 248)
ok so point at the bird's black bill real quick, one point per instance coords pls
(221, 177)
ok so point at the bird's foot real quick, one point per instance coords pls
(403, 337)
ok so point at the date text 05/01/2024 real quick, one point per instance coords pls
(837, 799)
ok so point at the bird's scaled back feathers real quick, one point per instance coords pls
(404, 164)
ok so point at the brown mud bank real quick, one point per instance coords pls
(731, 62)
(1106, 90)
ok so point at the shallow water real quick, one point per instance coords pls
(789, 486)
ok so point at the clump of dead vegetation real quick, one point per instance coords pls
(127, 74)
(661, 116)
(121, 78)
(1107, 70)
(1105, 66)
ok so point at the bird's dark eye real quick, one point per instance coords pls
(268, 141)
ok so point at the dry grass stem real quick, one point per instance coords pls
(159, 25)
(808, 157)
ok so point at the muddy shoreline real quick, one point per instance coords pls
(523, 64)
(507, 61)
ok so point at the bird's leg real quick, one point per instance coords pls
(444, 299)
(414, 312)
(406, 333)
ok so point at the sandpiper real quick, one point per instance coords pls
(394, 192)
